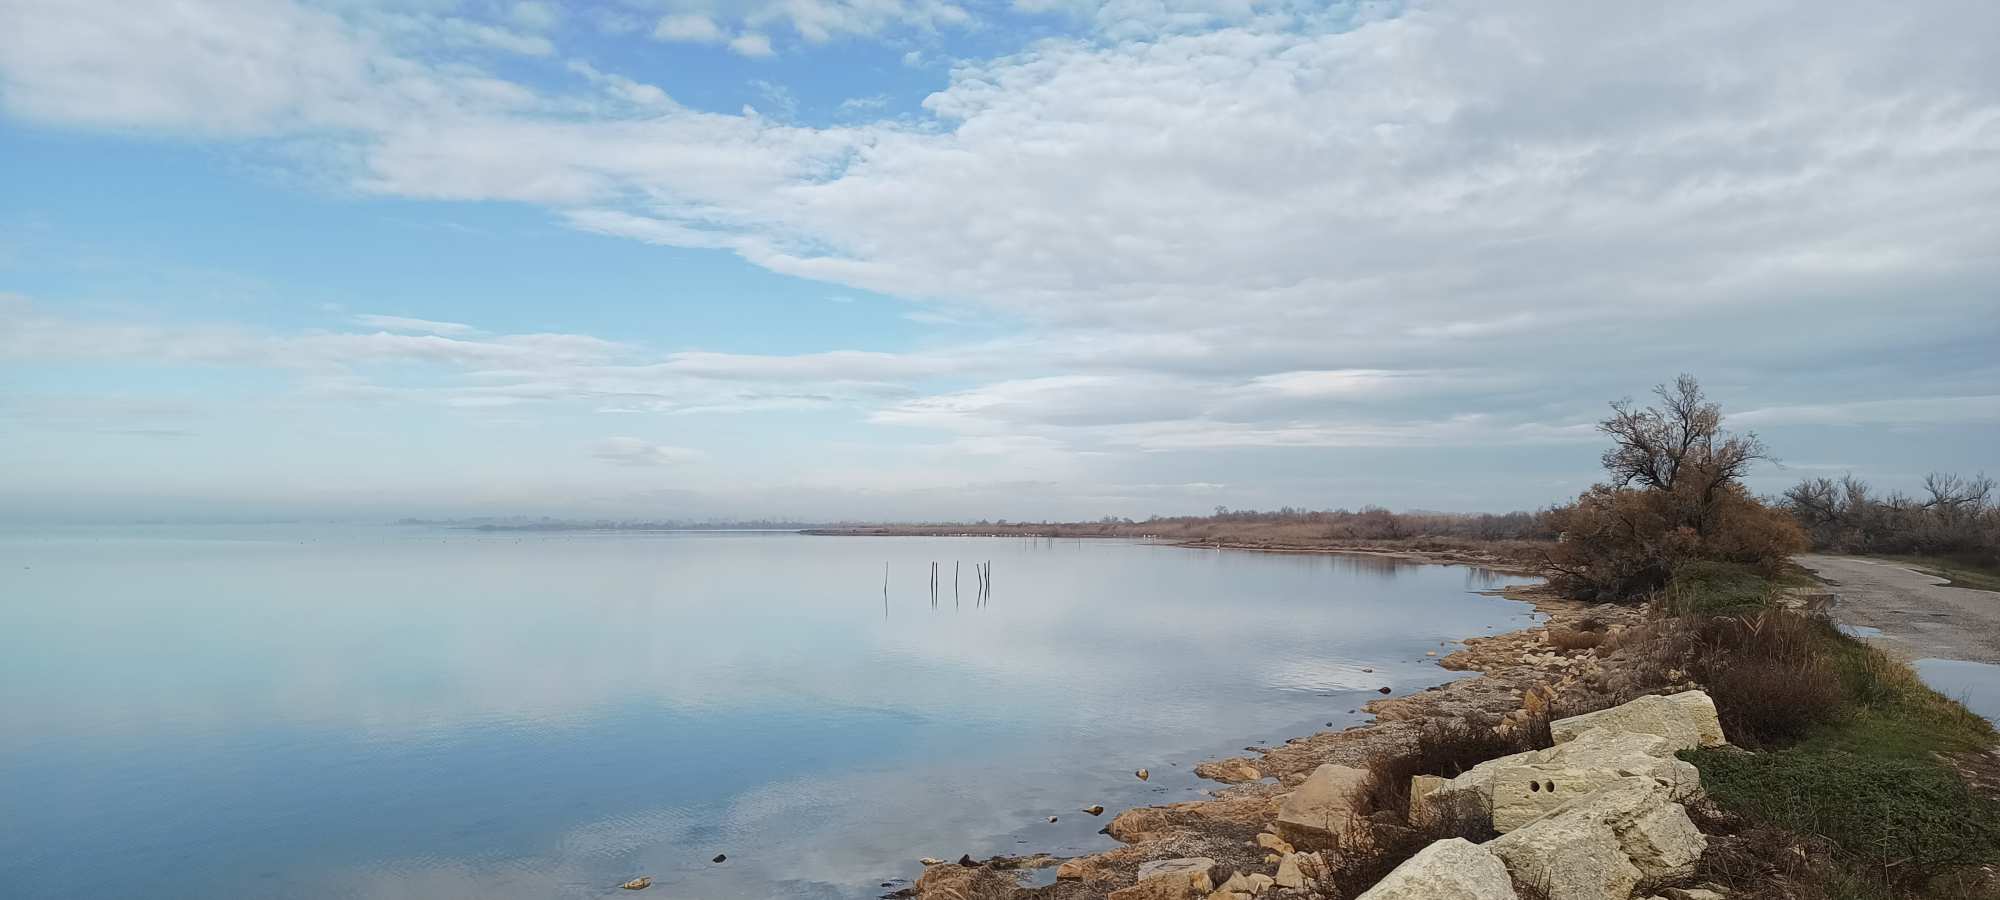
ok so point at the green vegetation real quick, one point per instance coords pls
(1858, 751)
(1960, 571)
(1892, 820)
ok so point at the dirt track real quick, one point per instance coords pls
(1917, 614)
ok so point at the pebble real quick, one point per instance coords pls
(638, 884)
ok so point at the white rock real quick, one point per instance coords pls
(1196, 870)
(1321, 807)
(1454, 869)
(1599, 846)
(1687, 719)
(1516, 788)
(1260, 882)
(1568, 857)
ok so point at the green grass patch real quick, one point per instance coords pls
(1716, 588)
(1894, 819)
(1960, 572)
(1853, 737)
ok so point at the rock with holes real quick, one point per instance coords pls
(1687, 719)
(1321, 807)
(1524, 786)
(1453, 869)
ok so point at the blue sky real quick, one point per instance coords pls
(900, 259)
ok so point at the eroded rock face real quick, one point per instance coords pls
(1197, 871)
(1599, 846)
(1687, 719)
(1454, 869)
(1569, 858)
(1523, 787)
(1321, 807)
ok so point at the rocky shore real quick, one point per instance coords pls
(1265, 801)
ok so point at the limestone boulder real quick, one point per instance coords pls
(1568, 858)
(1599, 846)
(1687, 719)
(1454, 869)
(1320, 807)
(1297, 870)
(1197, 871)
(1522, 787)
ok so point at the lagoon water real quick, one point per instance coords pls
(426, 713)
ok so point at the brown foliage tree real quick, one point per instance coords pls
(1675, 495)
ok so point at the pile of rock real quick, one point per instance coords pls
(1588, 819)
(1591, 818)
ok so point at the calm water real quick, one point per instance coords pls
(384, 712)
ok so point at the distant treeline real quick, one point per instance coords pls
(552, 524)
(1955, 517)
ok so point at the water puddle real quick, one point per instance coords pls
(1975, 684)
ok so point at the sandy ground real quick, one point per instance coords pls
(1917, 614)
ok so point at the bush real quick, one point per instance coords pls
(1446, 747)
(1619, 544)
(1901, 821)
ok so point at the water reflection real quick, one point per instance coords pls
(393, 714)
(1975, 684)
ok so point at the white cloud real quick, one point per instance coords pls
(631, 451)
(535, 15)
(751, 44)
(420, 326)
(1464, 223)
(690, 27)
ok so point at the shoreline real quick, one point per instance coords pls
(1428, 555)
(1508, 666)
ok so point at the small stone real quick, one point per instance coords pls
(638, 884)
(1273, 843)
(1272, 858)
(1094, 809)
(1052, 820)
(719, 857)
(1260, 882)
(931, 861)
(1143, 774)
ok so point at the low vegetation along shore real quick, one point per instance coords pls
(1686, 723)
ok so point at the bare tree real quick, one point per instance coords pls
(1955, 497)
(1678, 447)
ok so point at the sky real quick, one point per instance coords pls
(921, 259)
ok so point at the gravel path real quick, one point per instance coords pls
(1918, 616)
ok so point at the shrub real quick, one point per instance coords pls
(1764, 704)
(1446, 747)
